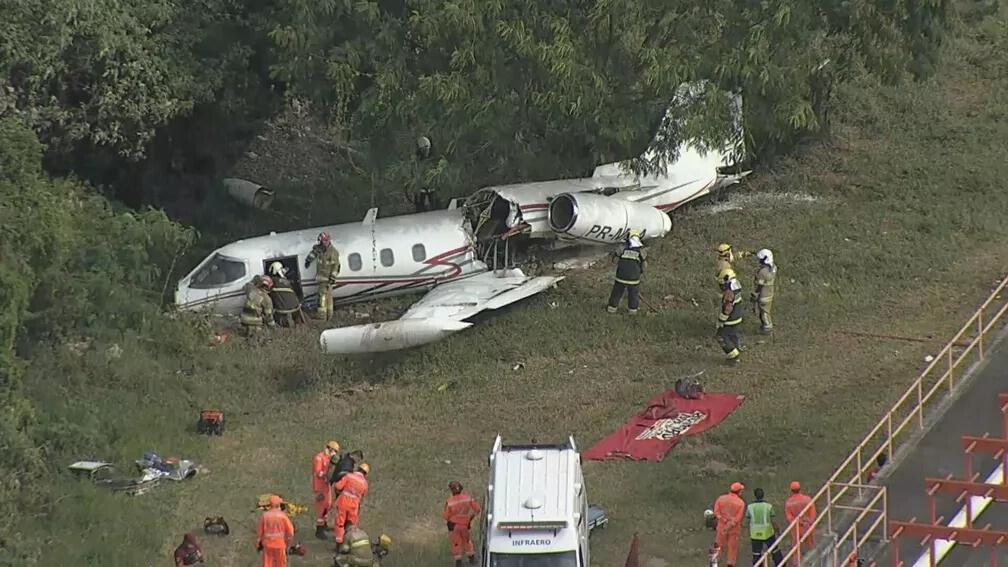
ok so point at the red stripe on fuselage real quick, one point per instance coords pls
(454, 270)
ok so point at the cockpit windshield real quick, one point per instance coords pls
(217, 272)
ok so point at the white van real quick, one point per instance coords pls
(536, 507)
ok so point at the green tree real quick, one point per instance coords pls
(512, 90)
(108, 74)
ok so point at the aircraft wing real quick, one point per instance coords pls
(439, 313)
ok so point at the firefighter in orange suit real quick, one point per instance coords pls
(729, 509)
(792, 508)
(459, 511)
(352, 488)
(320, 486)
(274, 534)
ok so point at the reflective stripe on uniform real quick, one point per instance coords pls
(360, 542)
(735, 317)
(630, 266)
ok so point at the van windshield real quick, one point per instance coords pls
(217, 272)
(562, 559)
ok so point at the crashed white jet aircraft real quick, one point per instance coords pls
(447, 252)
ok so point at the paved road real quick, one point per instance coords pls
(940, 453)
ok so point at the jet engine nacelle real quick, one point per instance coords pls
(590, 216)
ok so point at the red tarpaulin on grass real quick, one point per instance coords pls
(653, 432)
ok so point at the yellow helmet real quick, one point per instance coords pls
(385, 541)
(634, 232)
(333, 446)
(365, 468)
(726, 274)
(723, 249)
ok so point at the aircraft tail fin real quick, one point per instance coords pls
(693, 159)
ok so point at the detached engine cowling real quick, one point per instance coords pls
(590, 216)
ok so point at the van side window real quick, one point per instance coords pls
(387, 259)
(419, 252)
(354, 261)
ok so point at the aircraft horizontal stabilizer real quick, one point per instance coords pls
(391, 335)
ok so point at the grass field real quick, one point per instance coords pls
(904, 233)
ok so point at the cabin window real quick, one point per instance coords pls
(387, 259)
(219, 271)
(354, 262)
(419, 253)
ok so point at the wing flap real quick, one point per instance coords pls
(438, 314)
(527, 289)
(461, 299)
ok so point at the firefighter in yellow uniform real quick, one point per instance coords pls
(725, 258)
(763, 289)
(325, 274)
(258, 309)
(729, 325)
(358, 551)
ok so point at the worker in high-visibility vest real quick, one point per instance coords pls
(792, 509)
(763, 528)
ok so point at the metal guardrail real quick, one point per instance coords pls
(905, 418)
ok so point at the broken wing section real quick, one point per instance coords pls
(438, 314)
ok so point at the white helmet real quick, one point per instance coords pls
(765, 256)
(277, 269)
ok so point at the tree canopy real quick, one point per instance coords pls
(523, 88)
(108, 74)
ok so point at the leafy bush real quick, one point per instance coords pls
(74, 267)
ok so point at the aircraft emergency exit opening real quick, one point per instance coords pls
(562, 213)
(291, 271)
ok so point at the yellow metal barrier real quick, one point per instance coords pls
(909, 409)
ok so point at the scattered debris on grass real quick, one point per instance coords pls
(748, 201)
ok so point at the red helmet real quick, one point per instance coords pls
(323, 238)
(267, 282)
